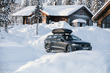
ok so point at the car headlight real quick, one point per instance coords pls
(90, 44)
(76, 44)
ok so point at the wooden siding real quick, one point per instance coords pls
(43, 18)
(103, 17)
(86, 15)
(104, 12)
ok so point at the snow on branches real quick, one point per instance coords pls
(4, 11)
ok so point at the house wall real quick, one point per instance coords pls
(47, 19)
(82, 14)
(44, 18)
(102, 18)
(30, 20)
(25, 19)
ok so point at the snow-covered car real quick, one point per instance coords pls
(63, 40)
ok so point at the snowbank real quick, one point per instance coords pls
(79, 20)
(107, 30)
(22, 45)
(75, 62)
(98, 37)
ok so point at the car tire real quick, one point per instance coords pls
(47, 47)
(69, 48)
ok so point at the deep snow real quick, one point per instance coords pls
(22, 51)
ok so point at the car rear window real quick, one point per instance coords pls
(54, 37)
(49, 37)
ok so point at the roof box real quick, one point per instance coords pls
(61, 31)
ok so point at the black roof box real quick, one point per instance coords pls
(61, 31)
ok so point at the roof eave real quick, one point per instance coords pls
(95, 17)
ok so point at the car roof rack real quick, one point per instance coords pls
(62, 31)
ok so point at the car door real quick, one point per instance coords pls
(54, 42)
(61, 42)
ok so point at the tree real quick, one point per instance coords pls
(37, 13)
(4, 12)
(88, 3)
(26, 3)
(106, 1)
(68, 2)
(80, 2)
(97, 4)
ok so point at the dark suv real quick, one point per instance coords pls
(63, 40)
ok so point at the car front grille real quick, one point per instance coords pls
(85, 45)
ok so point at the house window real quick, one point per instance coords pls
(81, 12)
(62, 19)
(80, 24)
(106, 22)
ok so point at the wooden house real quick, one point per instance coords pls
(67, 13)
(26, 14)
(102, 17)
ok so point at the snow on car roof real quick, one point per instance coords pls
(59, 10)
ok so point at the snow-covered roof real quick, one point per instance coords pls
(79, 20)
(25, 11)
(101, 9)
(61, 10)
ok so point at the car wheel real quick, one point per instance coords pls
(48, 50)
(69, 48)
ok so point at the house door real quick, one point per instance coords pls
(80, 24)
(87, 22)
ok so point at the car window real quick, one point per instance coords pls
(71, 37)
(49, 37)
(75, 37)
(54, 37)
(59, 37)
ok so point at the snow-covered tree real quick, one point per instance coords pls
(80, 2)
(68, 2)
(4, 12)
(26, 3)
(59, 2)
(88, 3)
(97, 4)
(37, 13)
(105, 1)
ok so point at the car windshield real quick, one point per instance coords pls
(70, 37)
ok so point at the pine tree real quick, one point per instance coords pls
(68, 2)
(59, 2)
(88, 3)
(37, 13)
(4, 12)
(97, 4)
(26, 3)
(80, 2)
(105, 1)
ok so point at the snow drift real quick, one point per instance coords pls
(95, 61)
(75, 62)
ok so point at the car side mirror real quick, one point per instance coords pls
(62, 40)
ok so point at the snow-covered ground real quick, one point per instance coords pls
(22, 51)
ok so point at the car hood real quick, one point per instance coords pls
(79, 42)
